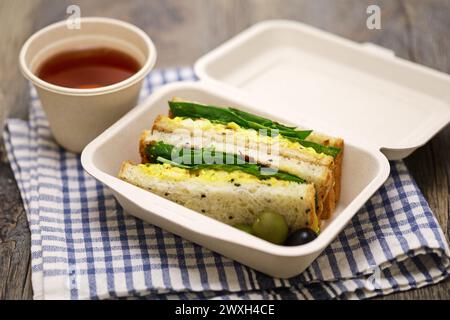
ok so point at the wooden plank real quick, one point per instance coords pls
(20, 15)
(426, 43)
(14, 238)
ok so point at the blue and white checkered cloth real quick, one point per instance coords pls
(85, 247)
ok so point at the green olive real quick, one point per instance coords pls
(244, 227)
(271, 226)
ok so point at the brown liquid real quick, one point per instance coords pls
(88, 68)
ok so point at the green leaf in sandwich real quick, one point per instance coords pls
(246, 120)
(197, 159)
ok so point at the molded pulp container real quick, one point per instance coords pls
(383, 107)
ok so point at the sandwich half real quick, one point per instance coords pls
(311, 156)
(229, 195)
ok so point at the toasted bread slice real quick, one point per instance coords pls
(333, 142)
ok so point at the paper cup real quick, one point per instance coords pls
(77, 116)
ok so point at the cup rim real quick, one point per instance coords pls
(138, 76)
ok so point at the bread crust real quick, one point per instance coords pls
(337, 169)
(142, 146)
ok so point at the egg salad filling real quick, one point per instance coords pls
(199, 159)
(168, 172)
(247, 134)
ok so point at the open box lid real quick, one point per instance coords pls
(332, 84)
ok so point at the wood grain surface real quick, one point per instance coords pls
(416, 30)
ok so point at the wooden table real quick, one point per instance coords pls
(416, 30)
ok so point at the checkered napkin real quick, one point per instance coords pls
(84, 246)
